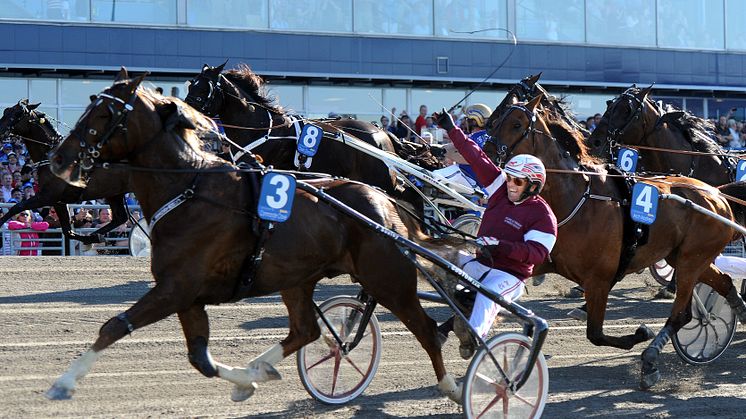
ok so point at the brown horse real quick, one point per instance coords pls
(199, 263)
(634, 119)
(40, 136)
(591, 247)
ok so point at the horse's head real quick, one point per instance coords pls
(205, 92)
(101, 133)
(627, 120)
(515, 132)
(523, 91)
(18, 119)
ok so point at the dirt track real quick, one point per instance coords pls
(51, 310)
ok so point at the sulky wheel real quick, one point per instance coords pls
(139, 242)
(485, 392)
(662, 272)
(328, 373)
(710, 331)
(467, 223)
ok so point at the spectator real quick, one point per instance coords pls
(53, 220)
(6, 186)
(16, 195)
(104, 218)
(28, 191)
(159, 90)
(17, 179)
(7, 149)
(385, 123)
(13, 165)
(421, 119)
(722, 132)
(589, 124)
(27, 244)
(403, 128)
(734, 138)
(82, 219)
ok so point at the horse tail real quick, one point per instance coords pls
(736, 190)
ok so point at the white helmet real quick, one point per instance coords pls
(530, 167)
(479, 112)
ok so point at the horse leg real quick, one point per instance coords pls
(304, 329)
(597, 297)
(159, 303)
(64, 215)
(196, 327)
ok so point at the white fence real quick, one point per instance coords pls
(53, 242)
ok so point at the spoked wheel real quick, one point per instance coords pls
(710, 331)
(662, 272)
(329, 374)
(468, 223)
(486, 394)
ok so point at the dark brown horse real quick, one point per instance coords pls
(24, 121)
(592, 248)
(634, 119)
(250, 116)
(201, 262)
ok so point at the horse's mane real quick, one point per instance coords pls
(570, 139)
(254, 86)
(698, 131)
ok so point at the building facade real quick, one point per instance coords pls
(363, 56)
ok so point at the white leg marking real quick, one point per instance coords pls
(448, 387)
(259, 370)
(64, 387)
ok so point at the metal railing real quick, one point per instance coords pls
(53, 242)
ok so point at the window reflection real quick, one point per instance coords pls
(76, 10)
(228, 13)
(134, 11)
(550, 20)
(621, 22)
(735, 37)
(318, 15)
(690, 24)
(413, 17)
(455, 16)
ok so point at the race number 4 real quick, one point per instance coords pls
(644, 203)
(276, 197)
(741, 170)
(627, 159)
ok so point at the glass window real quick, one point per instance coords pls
(621, 22)
(690, 24)
(485, 16)
(414, 17)
(228, 13)
(354, 101)
(69, 118)
(434, 99)
(395, 100)
(735, 36)
(696, 106)
(12, 90)
(76, 10)
(732, 108)
(490, 98)
(44, 91)
(289, 97)
(550, 20)
(585, 105)
(134, 11)
(311, 15)
(78, 92)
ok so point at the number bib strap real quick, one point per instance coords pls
(276, 197)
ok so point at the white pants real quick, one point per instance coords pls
(485, 310)
(731, 265)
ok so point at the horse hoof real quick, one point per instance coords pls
(450, 389)
(241, 393)
(664, 294)
(644, 333)
(575, 292)
(538, 280)
(578, 314)
(58, 393)
(648, 380)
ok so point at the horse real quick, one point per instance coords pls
(24, 121)
(593, 207)
(634, 119)
(251, 117)
(202, 262)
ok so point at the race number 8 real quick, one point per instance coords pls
(311, 137)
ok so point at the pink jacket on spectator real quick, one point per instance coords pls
(33, 245)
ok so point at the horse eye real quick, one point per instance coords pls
(516, 125)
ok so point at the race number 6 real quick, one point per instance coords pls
(276, 197)
(741, 170)
(627, 159)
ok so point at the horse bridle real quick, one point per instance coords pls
(214, 94)
(90, 153)
(611, 133)
(503, 151)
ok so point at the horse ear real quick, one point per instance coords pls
(645, 92)
(122, 75)
(23, 102)
(34, 106)
(534, 103)
(93, 98)
(221, 66)
(533, 79)
(205, 67)
(173, 117)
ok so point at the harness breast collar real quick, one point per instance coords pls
(297, 126)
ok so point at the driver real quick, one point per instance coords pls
(518, 230)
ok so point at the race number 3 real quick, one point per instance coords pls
(627, 159)
(644, 203)
(310, 139)
(276, 197)
(741, 171)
